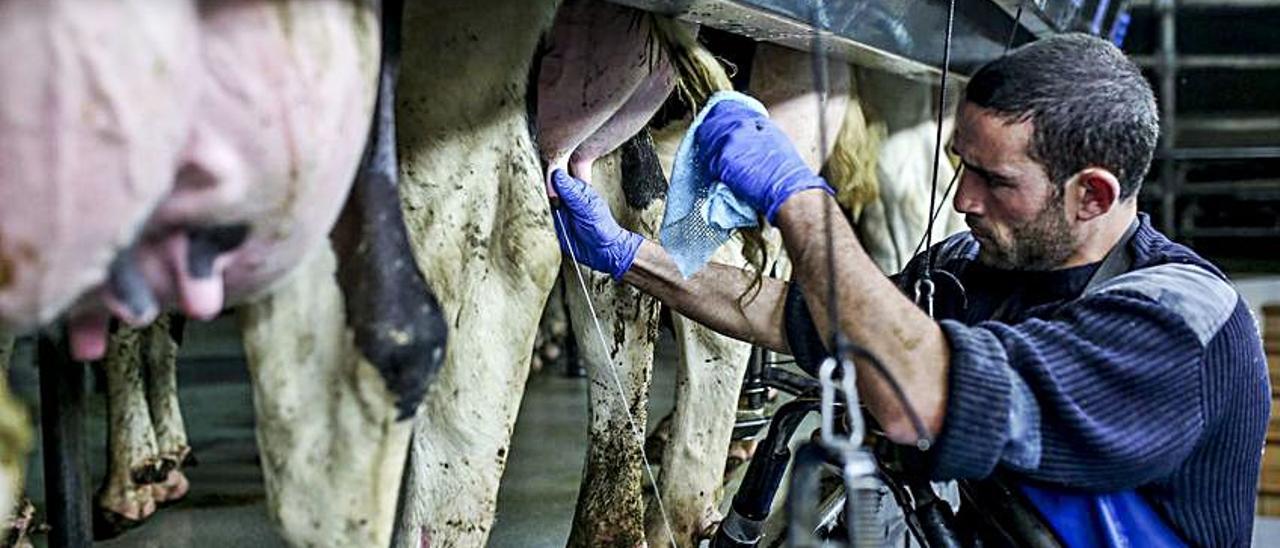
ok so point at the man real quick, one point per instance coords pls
(1094, 362)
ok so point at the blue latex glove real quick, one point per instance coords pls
(748, 153)
(597, 240)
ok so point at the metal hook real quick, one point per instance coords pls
(924, 294)
(853, 415)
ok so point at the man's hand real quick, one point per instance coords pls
(746, 151)
(589, 227)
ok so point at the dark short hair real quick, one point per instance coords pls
(1089, 105)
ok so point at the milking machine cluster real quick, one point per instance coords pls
(817, 514)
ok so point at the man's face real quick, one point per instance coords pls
(1012, 208)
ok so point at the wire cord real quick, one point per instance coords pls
(617, 381)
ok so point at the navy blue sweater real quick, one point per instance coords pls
(1153, 380)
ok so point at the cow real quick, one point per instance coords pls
(711, 367)
(222, 139)
(892, 225)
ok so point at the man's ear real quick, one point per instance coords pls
(1096, 191)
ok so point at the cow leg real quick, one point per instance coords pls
(707, 397)
(160, 353)
(892, 226)
(7, 344)
(709, 377)
(476, 208)
(125, 498)
(332, 451)
(16, 512)
(610, 509)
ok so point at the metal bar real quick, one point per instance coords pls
(1222, 153)
(1214, 3)
(62, 411)
(1251, 187)
(1238, 62)
(900, 36)
(1233, 232)
(1168, 70)
(1228, 122)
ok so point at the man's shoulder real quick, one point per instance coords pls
(1197, 295)
(1176, 278)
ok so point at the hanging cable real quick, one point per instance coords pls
(841, 346)
(934, 216)
(924, 286)
(822, 84)
(1013, 32)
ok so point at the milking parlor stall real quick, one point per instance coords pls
(616, 272)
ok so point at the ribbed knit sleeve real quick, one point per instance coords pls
(1116, 394)
(978, 404)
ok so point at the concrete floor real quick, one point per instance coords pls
(225, 506)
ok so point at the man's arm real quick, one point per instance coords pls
(588, 232)
(873, 314)
(711, 297)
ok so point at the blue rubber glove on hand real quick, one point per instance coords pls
(748, 153)
(588, 225)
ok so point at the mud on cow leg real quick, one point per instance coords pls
(610, 509)
(125, 497)
(476, 208)
(709, 377)
(160, 355)
(332, 452)
(15, 442)
(395, 317)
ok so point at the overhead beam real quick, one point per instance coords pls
(900, 36)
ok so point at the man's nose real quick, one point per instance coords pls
(968, 198)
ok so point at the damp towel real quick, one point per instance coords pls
(701, 213)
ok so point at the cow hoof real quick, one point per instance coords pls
(108, 525)
(153, 470)
(172, 489)
(111, 520)
(710, 522)
(178, 458)
(551, 352)
(740, 452)
(17, 533)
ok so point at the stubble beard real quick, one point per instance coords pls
(1044, 243)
